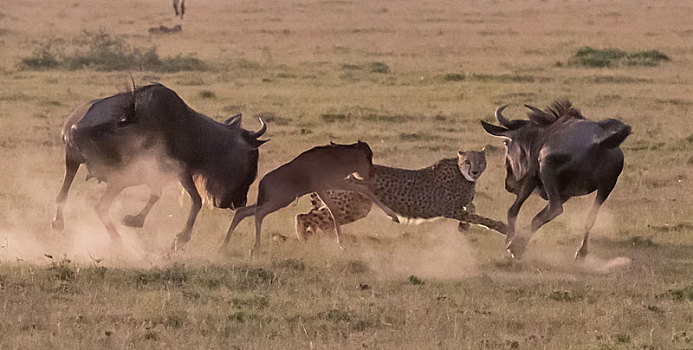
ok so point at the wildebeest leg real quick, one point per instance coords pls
(464, 226)
(103, 208)
(71, 168)
(526, 189)
(263, 210)
(175, 7)
(184, 236)
(602, 194)
(240, 214)
(329, 204)
(138, 220)
(517, 245)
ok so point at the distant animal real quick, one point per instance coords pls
(315, 170)
(445, 189)
(180, 10)
(123, 138)
(559, 154)
(166, 30)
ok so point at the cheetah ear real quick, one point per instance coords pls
(462, 153)
(483, 150)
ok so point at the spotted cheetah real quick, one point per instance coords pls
(445, 189)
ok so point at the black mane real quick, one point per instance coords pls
(557, 110)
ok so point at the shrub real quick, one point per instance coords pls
(415, 280)
(378, 67)
(207, 94)
(101, 51)
(454, 77)
(609, 58)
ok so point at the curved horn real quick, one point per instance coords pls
(235, 120)
(501, 119)
(262, 129)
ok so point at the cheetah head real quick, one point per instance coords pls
(472, 164)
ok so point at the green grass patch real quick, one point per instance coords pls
(370, 67)
(102, 52)
(454, 77)
(611, 57)
(207, 94)
(681, 226)
(334, 117)
(415, 280)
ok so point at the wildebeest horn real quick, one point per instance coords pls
(501, 118)
(235, 120)
(262, 130)
(133, 83)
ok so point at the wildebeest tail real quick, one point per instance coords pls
(615, 137)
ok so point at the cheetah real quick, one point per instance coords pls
(445, 189)
(352, 206)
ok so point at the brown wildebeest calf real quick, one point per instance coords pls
(281, 186)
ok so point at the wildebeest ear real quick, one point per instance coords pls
(495, 130)
(234, 121)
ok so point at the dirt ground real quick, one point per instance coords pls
(411, 78)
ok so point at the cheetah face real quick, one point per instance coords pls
(472, 164)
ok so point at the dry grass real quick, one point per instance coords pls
(410, 78)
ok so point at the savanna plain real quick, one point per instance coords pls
(411, 78)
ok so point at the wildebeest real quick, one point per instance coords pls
(280, 187)
(122, 138)
(560, 154)
(180, 12)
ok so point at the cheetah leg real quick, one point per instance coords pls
(470, 218)
(301, 226)
(330, 205)
(464, 226)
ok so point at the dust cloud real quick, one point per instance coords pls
(442, 253)
(28, 238)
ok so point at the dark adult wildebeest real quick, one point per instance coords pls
(280, 187)
(124, 138)
(560, 154)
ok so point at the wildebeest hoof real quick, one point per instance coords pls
(57, 224)
(133, 221)
(463, 227)
(516, 247)
(180, 241)
(581, 253)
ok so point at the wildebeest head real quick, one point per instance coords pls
(523, 138)
(357, 151)
(229, 176)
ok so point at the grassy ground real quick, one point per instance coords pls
(410, 78)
